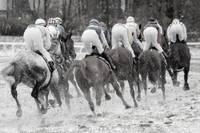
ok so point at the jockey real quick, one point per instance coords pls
(121, 35)
(52, 28)
(176, 29)
(60, 28)
(95, 42)
(134, 30)
(152, 35)
(39, 43)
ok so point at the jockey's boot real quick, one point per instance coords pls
(51, 66)
(109, 59)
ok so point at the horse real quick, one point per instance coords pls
(151, 65)
(179, 58)
(31, 69)
(92, 71)
(63, 62)
(125, 70)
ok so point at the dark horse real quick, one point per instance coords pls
(179, 58)
(152, 66)
(126, 70)
(94, 72)
(63, 61)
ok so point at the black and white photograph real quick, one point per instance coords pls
(99, 66)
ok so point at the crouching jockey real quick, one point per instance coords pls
(134, 29)
(94, 38)
(122, 36)
(176, 30)
(37, 39)
(152, 36)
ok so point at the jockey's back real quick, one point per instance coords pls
(121, 34)
(37, 36)
(37, 39)
(176, 28)
(95, 42)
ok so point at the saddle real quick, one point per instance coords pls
(49, 65)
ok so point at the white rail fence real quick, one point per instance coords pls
(9, 48)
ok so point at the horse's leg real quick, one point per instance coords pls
(171, 73)
(144, 83)
(99, 93)
(122, 85)
(132, 92)
(139, 90)
(175, 81)
(73, 81)
(44, 107)
(163, 80)
(76, 87)
(56, 94)
(186, 85)
(34, 94)
(107, 96)
(67, 95)
(14, 94)
(86, 92)
(118, 92)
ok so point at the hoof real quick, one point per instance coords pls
(138, 98)
(107, 97)
(153, 90)
(186, 87)
(52, 103)
(127, 107)
(176, 84)
(43, 110)
(19, 113)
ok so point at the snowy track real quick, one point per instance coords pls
(180, 113)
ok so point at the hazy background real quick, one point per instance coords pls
(15, 15)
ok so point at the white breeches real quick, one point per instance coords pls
(150, 37)
(174, 30)
(34, 40)
(90, 38)
(120, 35)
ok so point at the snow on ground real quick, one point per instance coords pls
(180, 113)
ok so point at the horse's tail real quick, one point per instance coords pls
(177, 38)
(76, 64)
(152, 76)
(7, 73)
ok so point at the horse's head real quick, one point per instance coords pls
(68, 48)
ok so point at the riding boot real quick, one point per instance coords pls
(51, 66)
(109, 59)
